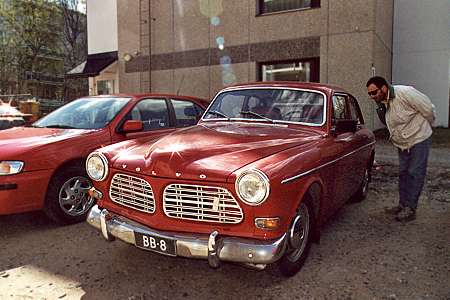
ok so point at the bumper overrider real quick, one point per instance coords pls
(252, 252)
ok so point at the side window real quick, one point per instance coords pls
(187, 113)
(152, 112)
(355, 111)
(340, 108)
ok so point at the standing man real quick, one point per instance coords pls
(409, 115)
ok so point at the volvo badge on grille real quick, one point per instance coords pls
(216, 204)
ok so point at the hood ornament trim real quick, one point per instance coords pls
(177, 174)
(124, 166)
(202, 176)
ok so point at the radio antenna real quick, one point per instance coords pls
(181, 83)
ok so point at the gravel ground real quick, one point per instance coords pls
(363, 254)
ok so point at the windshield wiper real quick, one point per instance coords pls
(248, 112)
(218, 113)
(60, 126)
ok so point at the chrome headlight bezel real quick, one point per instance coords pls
(102, 161)
(263, 180)
(14, 167)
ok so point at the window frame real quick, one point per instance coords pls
(260, 8)
(174, 115)
(168, 108)
(314, 62)
(349, 101)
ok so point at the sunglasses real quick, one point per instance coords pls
(373, 93)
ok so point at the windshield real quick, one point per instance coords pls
(85, 113)
(276, 105)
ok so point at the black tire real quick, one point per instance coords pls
(300, 236)
(363, 188)
(67, 200)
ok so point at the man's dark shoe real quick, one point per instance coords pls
(405, 215)
(394, 210)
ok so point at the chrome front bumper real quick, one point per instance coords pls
(214, 248)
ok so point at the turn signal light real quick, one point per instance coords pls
(94, 193)
(267, 223)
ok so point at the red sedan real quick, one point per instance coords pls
(252, 182)
(42, 166)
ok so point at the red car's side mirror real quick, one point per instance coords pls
(132, 126)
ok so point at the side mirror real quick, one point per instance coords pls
(132, 126)
(343, 126)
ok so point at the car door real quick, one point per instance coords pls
(348, 162)
(155, 116)
(360, 141)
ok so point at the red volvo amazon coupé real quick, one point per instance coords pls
(251, 183)
(42, 166)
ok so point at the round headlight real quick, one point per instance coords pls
(252, 187)
(97, 166)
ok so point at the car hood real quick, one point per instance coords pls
(210, 151)
(20, 140)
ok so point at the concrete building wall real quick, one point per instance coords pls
(422, 50)
(128, 35)
(102, 26)
(179, 45)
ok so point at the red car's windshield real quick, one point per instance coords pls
(270, 104)
(85, 113)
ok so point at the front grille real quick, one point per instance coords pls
(132, 192)
(201, 203)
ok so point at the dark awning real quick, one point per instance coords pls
(94, 64)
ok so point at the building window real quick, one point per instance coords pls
(269, 6)
(300, 70)
(105, 87)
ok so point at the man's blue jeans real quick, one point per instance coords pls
(412, 171)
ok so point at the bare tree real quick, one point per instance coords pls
(74, 41)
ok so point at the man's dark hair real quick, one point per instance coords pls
(378, 81)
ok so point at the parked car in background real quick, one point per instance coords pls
(251, 183)
(11, 116)
(42, 166)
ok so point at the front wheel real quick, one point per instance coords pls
(299, 241)
(363, 189)
(67, 199)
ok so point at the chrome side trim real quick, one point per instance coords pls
(192, 245)
(287, 180)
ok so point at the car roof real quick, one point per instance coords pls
(144, 95)
(148, 95)
(326, 88)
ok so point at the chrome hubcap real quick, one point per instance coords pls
(365, 183)
(74, 199)
(298, 233)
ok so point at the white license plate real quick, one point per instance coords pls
(155, 243)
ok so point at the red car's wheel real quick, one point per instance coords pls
(67, 198)
(300, 236)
